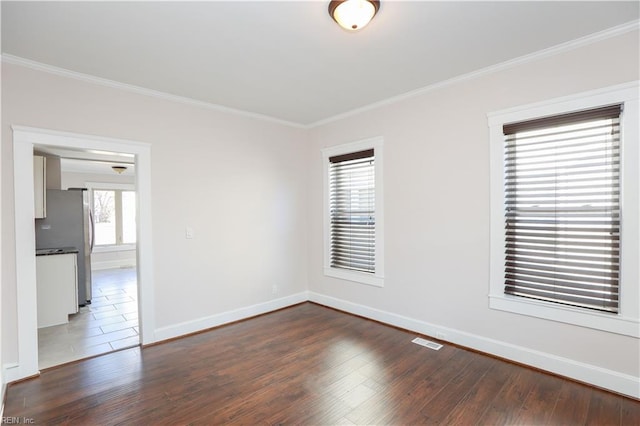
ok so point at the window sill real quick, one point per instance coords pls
(614, 323)
(113, 248)
(359, 277)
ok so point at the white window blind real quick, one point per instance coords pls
(562, 208)
(352, 211)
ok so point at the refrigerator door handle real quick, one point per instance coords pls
(93, 231)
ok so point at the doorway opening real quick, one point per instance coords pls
(106, 318)
(25, 140)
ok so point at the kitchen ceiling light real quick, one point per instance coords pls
(353, 15)
(119, 169)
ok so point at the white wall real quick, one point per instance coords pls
(238, 182)
(436, 186)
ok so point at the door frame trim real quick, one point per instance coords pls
(24, 141)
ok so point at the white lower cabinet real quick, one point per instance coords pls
(57, 288)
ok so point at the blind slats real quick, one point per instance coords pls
(588, 291)
(598, 251)
(553, 122)
(562, 209)
(587, 263)
(352, 211)
(560, 274)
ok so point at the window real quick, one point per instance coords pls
(564, 181)
(353, 212)
(562, 208)
(114, 213)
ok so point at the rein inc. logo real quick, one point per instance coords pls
(18, 421)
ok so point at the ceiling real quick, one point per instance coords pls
(288, 60)
(93, 162)
(74, 165)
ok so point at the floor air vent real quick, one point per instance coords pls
(431, 345)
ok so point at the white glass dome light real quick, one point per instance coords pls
(353, 15)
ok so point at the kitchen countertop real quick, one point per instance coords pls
(59, 250)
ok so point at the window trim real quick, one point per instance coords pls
(377, 278)
(627, 321)
(106, 186)
(535, 168)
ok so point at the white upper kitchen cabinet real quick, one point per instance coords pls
(40, 186)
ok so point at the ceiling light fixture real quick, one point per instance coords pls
(353, 15)
(119, 169)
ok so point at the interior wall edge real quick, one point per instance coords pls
(614, 381)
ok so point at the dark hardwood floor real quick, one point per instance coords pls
(307, 365)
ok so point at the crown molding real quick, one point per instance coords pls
(38, 66)
(545, 53)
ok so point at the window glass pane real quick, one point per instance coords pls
(128, 217)
(352, 211)
(104, 216)
(562, 214)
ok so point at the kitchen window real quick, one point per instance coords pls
(114, 213)
(564, 210)
(353, 212)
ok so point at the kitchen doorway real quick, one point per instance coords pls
(109, 319)
(24, 141)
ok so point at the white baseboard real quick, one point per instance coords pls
(601, 377)
(205, 323)
(10, 373)
(113, 264)
(608, 379)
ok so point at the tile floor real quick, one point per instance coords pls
(109, 323)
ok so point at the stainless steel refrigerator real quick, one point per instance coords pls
(69, 223)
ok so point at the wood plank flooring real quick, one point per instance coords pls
(307, 365)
